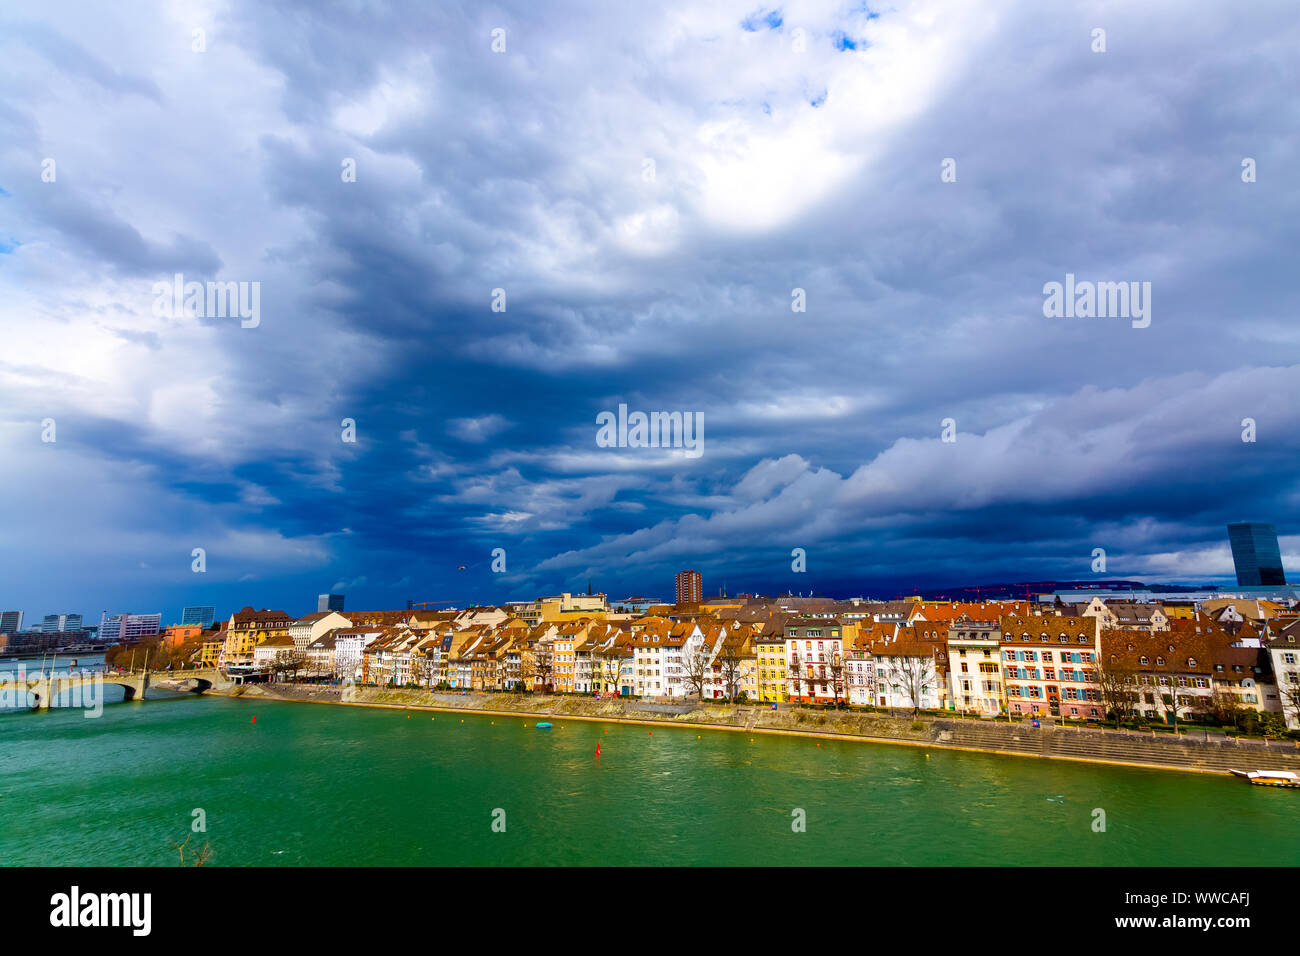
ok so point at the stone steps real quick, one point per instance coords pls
(1098, 746)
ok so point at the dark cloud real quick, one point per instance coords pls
(665, 288)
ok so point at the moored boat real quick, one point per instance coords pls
(1269, 778)
(543, 726)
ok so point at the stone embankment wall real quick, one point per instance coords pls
(1191, 752)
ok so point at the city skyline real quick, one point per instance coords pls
(996, 591)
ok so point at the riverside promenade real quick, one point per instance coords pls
(1194, 752)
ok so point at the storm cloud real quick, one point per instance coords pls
(470, 253)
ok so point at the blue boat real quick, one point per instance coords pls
(543, 726)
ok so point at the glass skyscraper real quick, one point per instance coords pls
(202, 616)
(1255, 554)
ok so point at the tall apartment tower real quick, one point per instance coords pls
(11, 622)
(1255, 554)
(329, 602)
(690, 587)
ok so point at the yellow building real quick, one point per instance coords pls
(564, 607)
(249, 628)
(564, 653)
(210, 652)
(770, 652)
(1179, 610)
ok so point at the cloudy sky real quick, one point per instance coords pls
(648, 184)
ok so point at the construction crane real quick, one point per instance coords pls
(412, 605)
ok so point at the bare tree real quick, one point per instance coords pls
(695, 667)
(731, 661)
(836, 671)
(286, 663)
(1289, 693)
(794, 673)
(527, 670)
(1118, 688)
(1224, 707)
(802, 672)
(914, 673)
(544, 666)
(1169, 704)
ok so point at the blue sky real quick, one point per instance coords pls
(793, 147)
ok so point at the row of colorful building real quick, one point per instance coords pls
(996, 657)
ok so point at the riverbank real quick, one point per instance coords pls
(1016, 740)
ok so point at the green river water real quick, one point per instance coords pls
(285, 784)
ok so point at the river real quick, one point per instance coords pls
(282, 784)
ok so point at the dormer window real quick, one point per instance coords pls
(1191, 662)
(1160, 661)
(1142, 659)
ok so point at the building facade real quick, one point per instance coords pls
(1255, 554)
(975, 671)
(54, 623)
(690, 587)
(1049, 666)
(121, 628)
(815, 662)
(1284, 653)
(201, 615)
(329, 602)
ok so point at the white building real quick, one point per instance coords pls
(907, 675)
(1284, 653)
(815, 662)
(659, 653)
(313, 627)
(975, 671)
(114, 628)
(349, 646)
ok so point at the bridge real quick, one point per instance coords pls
(135, 683)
